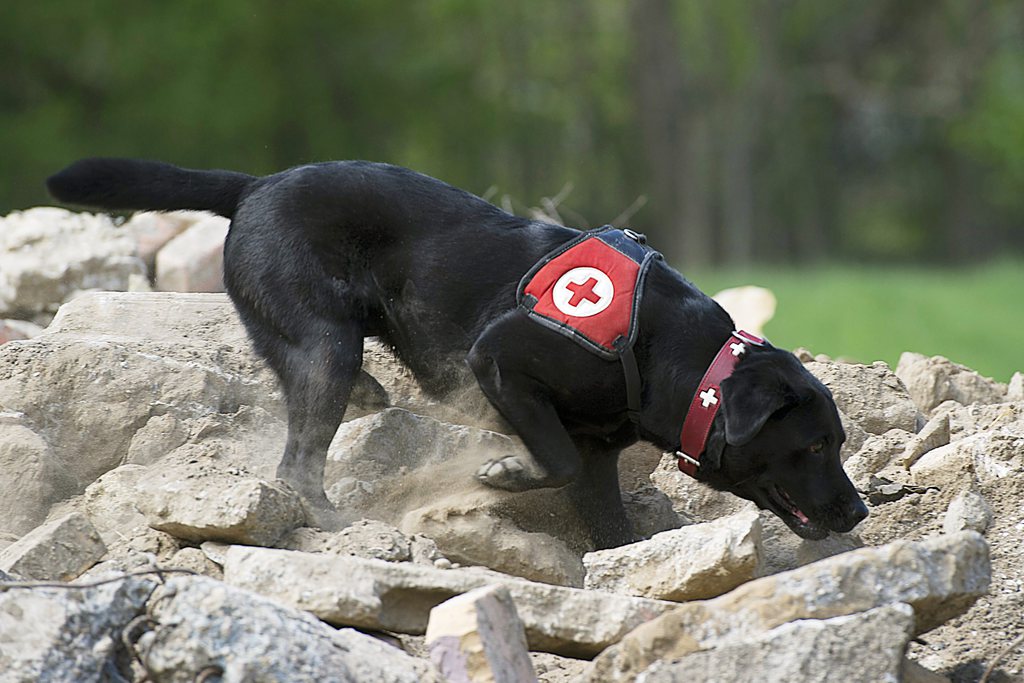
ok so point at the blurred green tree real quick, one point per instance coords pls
(754, 130)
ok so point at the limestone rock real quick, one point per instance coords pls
(204, 625)
(878, 451)
(398, 597)
(151, 230)
(939, 577)
(47, 254)
(13, 330)
(112, 361)
(201, 503)
(870, 395)
(969, 510)
(456, 526)
(964, 421)
(58, 550)
(49, 634)
(1015, 391)
(984, 457)
(868, 646)
(110, 501)
(750, 307)
(194, 260)
(478, 636)
(935, 433)
(691, 563)
(931, 381)
(365, 538)
(32, 477)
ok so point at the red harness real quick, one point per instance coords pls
(708, 398)
(589, 290)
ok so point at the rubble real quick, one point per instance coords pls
(137, 410)
(691, 563)
(939, 578)
(59, 550)
(477, 636)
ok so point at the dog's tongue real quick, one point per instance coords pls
(801, 516)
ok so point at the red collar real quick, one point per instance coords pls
(708, 398)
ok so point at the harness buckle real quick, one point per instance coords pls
(684, 456)
(637, 237)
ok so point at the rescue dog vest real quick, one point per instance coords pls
(589, 289)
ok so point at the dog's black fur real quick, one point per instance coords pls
(320, 256)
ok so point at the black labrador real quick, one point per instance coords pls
(320, 256)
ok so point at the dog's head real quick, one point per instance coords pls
(782, 436)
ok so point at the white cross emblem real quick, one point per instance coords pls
(738, 348)
(708, 397)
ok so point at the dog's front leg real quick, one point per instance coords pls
(525, 402)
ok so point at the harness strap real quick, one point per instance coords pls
(632, 373)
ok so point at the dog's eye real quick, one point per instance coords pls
(817, 447)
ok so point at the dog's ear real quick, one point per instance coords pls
(747, 405)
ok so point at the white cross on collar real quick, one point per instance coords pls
(738, 348)
(708, 398)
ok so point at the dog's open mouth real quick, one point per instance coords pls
(783, 506)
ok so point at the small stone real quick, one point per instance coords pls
(57, 551)
(694, 562)
(478, 636)
(968, 511)
(194, 260)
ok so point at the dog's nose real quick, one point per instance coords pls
(856, 511)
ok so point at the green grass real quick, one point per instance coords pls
(972, 316)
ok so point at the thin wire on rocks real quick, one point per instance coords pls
(8, 585)
(999, 657)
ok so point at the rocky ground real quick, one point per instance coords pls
(142, 536)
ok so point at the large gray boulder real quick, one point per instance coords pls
(868, 646)
(694, 562)
(940, 578)
(53, 634)
(201, 625)
(48, 254)
(58, 550)
(932, 380)
(870, 395)
(351, 591)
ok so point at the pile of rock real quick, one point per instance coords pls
(138, 440)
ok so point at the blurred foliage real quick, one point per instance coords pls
(757, 130)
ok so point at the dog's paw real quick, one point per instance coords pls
(508, 473)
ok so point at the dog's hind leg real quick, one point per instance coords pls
(317, 362)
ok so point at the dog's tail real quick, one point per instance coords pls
(147, 185)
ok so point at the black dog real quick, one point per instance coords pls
(320, 256)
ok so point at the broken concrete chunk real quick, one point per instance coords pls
(398, 597)
(198, 503)
(48, 254)
(33, 478)
(456, 526)
(57, 551)
(939, 577)
(691, 563)
(868, 646)
(969, 510)
(870, 395)
(201, 625)
(478, 636)
(935, 433)
(193, 261)
(51, 634)
(933, 380)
